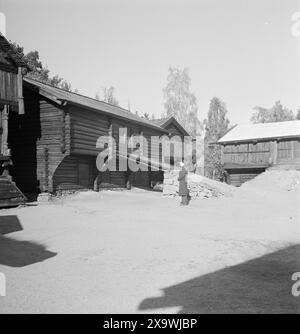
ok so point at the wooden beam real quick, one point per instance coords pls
(20, 91)
(275, 152)
(4, 126)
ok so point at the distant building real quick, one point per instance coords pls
(248, 150)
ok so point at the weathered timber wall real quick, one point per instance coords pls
(8, 87)
(86, 128)
(75, 172)
(39, 140)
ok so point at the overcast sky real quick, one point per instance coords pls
(241, 51)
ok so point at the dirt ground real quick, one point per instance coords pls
(136, 251)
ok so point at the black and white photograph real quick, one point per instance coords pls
(149, 159)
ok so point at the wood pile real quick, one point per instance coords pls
(199, 186)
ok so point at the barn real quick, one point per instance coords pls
(54, 143)
(248, 150)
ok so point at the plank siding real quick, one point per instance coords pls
(8, 87)
(243, 161)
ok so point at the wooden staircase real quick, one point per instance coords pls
(10, 194)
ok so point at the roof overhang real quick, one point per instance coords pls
(173, 120)
(63, 102)
(256, 140)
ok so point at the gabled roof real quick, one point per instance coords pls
(262, 131)
(60, 96)
(164, 122)
(12, 53)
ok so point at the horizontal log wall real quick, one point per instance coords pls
(86, 128)
(75, 172)
(238, 177)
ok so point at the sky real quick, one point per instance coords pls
(240, 51)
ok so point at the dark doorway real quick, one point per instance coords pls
(23, 133)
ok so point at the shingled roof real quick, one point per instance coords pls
(262, 131)
(60, 96)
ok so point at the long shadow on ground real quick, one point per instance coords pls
(10, 224)
(15, 253)
(262, 285)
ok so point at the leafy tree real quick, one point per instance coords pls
(179, 101)
(277, 113)
(38, 71)
(146, 115)
(298, 114)
(216, 125)
(109, 97)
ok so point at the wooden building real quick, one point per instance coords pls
(172, 125)
(12, 69)
(53, 144)
(178, 132)
(248, 150)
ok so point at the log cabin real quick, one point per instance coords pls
(12, 69)
(248, 150)
(54, 144)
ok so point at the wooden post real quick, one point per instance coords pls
(4, 125)
(275, 152)
(141, 141)
(292, 150)
(63, 134)
(68, 130)
(1, 130)
(46, 168)
(20, 91)
(110, 144)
